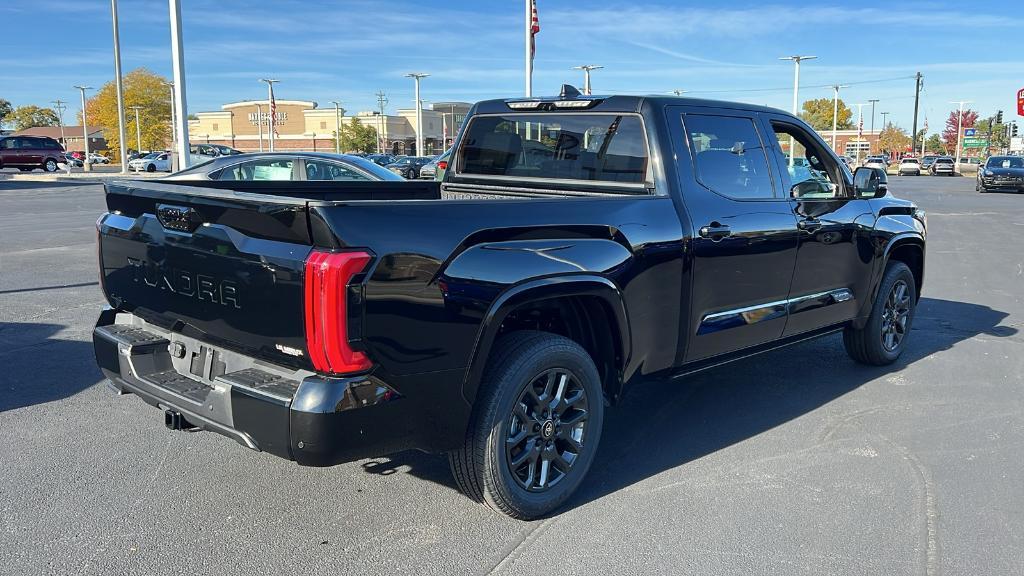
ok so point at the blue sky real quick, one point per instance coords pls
(473, 50)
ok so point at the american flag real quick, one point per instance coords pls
(534, 29)
(273, 111)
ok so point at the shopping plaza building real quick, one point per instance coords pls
(303, 125)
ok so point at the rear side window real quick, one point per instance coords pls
(728, 156)
(581, 146)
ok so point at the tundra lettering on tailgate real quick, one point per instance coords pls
(186, 283)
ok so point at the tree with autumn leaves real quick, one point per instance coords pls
(141, 88)
(949, 135)
(818, 113)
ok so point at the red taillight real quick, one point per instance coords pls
(327, 277)
(442, 165)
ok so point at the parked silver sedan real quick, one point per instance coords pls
(287, 166)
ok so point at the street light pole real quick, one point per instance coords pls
(259, 124)
(273, 109)
(170, 85)
(119, 86)
(587, 68)
(86, 165)
(873, 101)
(796, 90)
(419, 111)
(835, 111)
(959, 130)
(337, 126)
(179, 101)
(138, 129)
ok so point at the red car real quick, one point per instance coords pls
(27, 153)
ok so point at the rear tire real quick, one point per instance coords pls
(535, 428)
(50, 165)
(882, 338)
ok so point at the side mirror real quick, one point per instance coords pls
(870, 182)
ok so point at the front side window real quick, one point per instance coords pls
(580, 146)
(319, 170)
(812, 175)
(729, 156)
(258, 170)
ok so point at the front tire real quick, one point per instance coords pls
(50, 165)
(882, 338)
(151, 168)
(535, 428)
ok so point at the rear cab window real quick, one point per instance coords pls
(596, 148)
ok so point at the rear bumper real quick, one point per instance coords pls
(301, 416)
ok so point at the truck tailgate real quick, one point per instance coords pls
(220, 266)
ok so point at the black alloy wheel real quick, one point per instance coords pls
(546, 430)
(895, 316)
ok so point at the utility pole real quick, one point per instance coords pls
(179, 101)
(138, 130)
(587, 69)
(273, 110)
(259, 124)
(382, 101)
(796, 89)
(959, 130)
(835, 111)
(59, 105)
(917, 102)
(337, 126)
(86, 165)
(119, 86)
(416, 76)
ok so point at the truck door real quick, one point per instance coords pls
(835, 255)
(743, 250)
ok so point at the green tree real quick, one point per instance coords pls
(141, 88)
(30, 116)
(893, 139)
(358, 137)
(818, 113)
(5, 110)
(934, 145)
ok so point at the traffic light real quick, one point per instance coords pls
(1013, 130)
(999, 117)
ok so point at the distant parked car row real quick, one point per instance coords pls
(285, 166)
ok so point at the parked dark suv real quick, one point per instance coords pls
(30, 152)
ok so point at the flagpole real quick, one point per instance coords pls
(528, 45)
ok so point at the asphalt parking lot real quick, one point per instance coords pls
(798, 461)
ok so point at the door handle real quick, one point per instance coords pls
(714, 231)
(809, 225)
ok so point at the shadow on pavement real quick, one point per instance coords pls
(36, 184)
(38, 368)
(661, 425)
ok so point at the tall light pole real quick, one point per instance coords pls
(86, 165)
(170, 86)
(178, 67)
(587, 68)
(337, 126)
(417, 76)
(119, 86)
(138, 129)
(959, 130)
(884, 114)
(835, 111)
(273, 109)
(873, 101)
(59, 105)
(259, 124)
(796, 90)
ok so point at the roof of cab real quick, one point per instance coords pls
(621, 103)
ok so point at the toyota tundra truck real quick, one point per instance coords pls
(577, 246)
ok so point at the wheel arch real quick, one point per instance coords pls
(586, 308)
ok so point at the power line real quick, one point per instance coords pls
(781, 89)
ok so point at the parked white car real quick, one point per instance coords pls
(910, 167)
(98, 159)
(876, 162)
(154, 162)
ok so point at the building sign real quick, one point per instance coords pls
(1020, 102)
(264, 118)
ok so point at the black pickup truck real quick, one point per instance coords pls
(577, 245)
